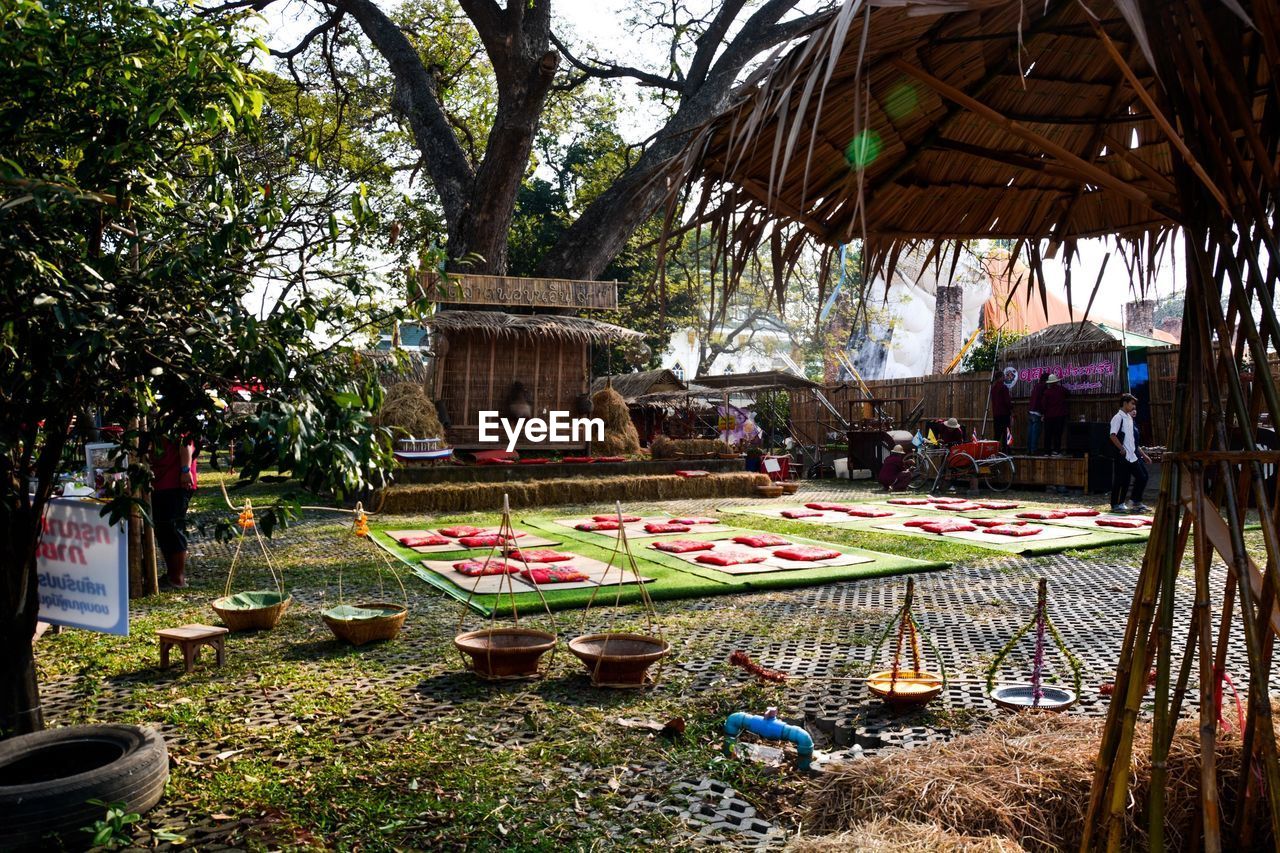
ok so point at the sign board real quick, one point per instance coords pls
(511, 290)
(82, 567)
(1080, 373)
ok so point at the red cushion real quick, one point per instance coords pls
(761, 540)
(540, 556)
(1080, 513)
(908, 501)
(536, 460)
(1126, 523)
(829, 506)
(729, 558)
(919, 522)
(960, 507)
(683, 546)
(948, 500)
(472, 568)
(495, 462)
(800, 513)
(660, 527)
(693, 519)
(693, 474)
(867, 512)
(997, 504)
(459, 531)
(626, 519)
(1013, 530)
(553, 574)
(495, 455)
(806, 553)
(998, 522)
(485, 540)
(611, 459)
(949, 525)
(422, 541)
(577, 460)
(1043, 514)
(597, 525)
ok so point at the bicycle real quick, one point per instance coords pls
(978, 463)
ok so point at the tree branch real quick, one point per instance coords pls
(710, 41)
(606, 71)
(290, 54)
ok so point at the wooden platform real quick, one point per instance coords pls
(1069, 471)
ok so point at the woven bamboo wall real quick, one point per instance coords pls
(479, 368)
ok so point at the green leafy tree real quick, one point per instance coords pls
(986, 351)
(131, 233)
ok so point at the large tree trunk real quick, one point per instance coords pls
(19, 695)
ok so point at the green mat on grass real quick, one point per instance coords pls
(672, 578)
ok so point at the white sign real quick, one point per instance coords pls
(559, 427)
(772, 466)
(82, 566)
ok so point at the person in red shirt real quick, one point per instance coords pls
(895, 473)
(173, 466)
(1001, 411)
(1053, 403)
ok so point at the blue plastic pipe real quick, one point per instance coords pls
(769, 726)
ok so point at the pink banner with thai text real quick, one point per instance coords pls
(1085, 373)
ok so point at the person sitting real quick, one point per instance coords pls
(950, 432)
(896, 473)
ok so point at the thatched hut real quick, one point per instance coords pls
(1039, 123)
(650, 414)
(481, 355)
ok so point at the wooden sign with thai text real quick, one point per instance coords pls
(466, 289)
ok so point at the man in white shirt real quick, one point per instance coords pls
(1129, 459)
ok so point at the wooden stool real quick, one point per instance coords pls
(191, 638)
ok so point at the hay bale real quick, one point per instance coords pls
(663, 447)
(1026, 777)
(407, 409)
(461, 497)
(620, 436)
(887, 835)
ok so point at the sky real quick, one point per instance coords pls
(600, 29)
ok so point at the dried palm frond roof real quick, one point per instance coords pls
(1085, 336)
(541, 325)
(899, 121)
(763, 380)
(632, 385)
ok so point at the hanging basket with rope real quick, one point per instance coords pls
(902, 688)
(1035, 696)
(505, 652)
(367, 622)
(622, 659)
(258, 609)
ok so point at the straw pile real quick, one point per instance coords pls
(1026, 777)
(620, 436)
(887, 835)
(407, 408)
(663, 447)
(458, 497)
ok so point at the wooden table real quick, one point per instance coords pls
(190, 638)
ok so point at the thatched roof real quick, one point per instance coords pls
(632, 385)
(985, 118)
(766, 380)
(1079, 337)
(543, 325)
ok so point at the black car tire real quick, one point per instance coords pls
(47, 779)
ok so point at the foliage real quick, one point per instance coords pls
(112, 831)
(132, 231)
(986, 350)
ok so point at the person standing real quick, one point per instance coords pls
(895, 474)
(1129, 459)
(1035, 415)
(1053, 403)
(173, 466)
(1001, 411)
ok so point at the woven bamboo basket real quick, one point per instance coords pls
(374, 629)
(789, 488)
(619, 660)
(500, 654)
(772, 491)
(252, 618)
